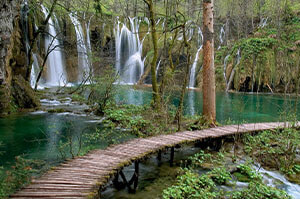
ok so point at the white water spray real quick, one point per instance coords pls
(222, 36)
(194, 66)
(129, 61)
(225, 67)
(56, 75)
(83, 62)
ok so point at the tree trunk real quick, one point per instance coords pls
(178, 116)
(209, 88)
(156, 98)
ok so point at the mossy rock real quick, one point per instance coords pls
(4, 99)
(294, 178)
(58, 110)
(23, 95)
(242, 178)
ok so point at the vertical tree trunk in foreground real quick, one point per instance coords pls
(156, 98)
(209, 88)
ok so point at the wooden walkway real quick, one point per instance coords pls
(83, 177)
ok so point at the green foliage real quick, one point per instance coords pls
(129, 117)
(191, 186)
(200, 158)
(78, 98)
(199, 122)
(275, 149)
(255, 46)
(18, 176)
(257, 190)
(103, 91)
(220, 175)
(296, 168)
(249, 173)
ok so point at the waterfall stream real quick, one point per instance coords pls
(82, 50)
(222, 36)
(194, 66)
(225, 67)
(129, 61)
(56, 75)
(34, 70)
(24, 17)
(271, 178)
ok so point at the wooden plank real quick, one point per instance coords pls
(76, 177)
(50, 194)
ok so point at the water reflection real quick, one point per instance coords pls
(236, 107)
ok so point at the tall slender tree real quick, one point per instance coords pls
(156, 97)
(209, 88)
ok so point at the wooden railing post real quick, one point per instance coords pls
(172, 156)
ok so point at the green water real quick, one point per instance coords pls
(37, 135)
(230, 106)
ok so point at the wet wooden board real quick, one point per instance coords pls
(83, 177)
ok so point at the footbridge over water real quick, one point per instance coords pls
(83, 177)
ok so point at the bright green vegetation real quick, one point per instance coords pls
(18, 176)
(54, 137)
(276, 150)
(269, 58)
(272, 149)
(190, 184)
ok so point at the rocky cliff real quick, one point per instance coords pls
(12, 59)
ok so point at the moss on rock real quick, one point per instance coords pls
(23, 95)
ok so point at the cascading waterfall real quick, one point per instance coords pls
(88, 38)
(157, 67)
(194, 66)
(56, 75)
(238, 60)
(83, 61)
(272, 178)
(24, 17)
(34, 70)
(129, 62)
(225, 67)
(222, 36)
(263, 22)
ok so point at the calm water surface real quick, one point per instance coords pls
(37, 135)
(230, 106)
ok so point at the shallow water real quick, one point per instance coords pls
(38, 135)
(236, 107)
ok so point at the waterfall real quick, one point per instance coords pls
(24, 17)
(222, 36)
(263, 22)
(272, 178)
(225, 67)
(194, 66)
(88, 38)
(83, 62)
(238, 60)
(56, 75)
(34, 70)
(157, 67)
(238, 57)
(129, 62)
